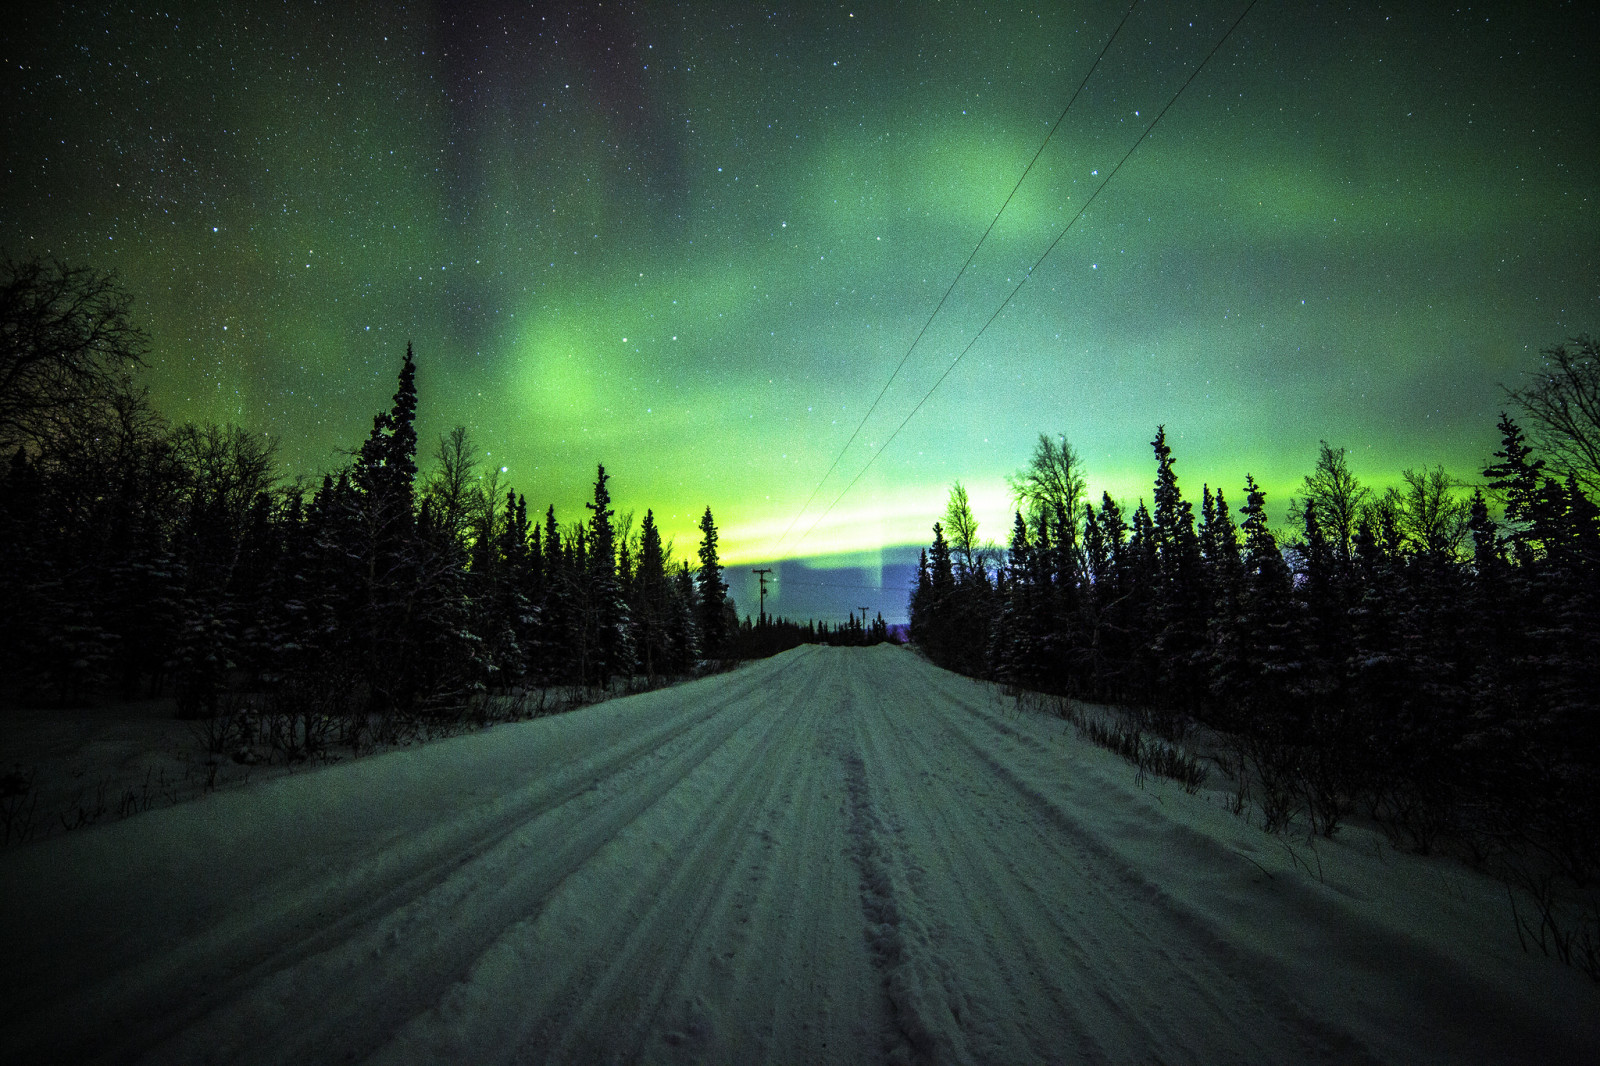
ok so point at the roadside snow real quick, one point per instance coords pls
(836, 855)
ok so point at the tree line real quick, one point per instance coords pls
(1427, 657)
(762, 637)
(145, 558)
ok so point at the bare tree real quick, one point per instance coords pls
(1428, 511)
(67, 344)
(962, 525)
(1052, 480)
(228, 467)
(1563, 406)
(452, 485)
(116, 451)
(486, 517)
(1339, 498)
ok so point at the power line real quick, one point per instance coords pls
(992, 222)
(1004, 303)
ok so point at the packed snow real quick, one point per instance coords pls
(835, 855)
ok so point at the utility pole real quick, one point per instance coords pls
(762, 574)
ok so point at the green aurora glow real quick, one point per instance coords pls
(692, 241)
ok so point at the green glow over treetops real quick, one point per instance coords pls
(693, 244)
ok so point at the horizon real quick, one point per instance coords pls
(693, 246)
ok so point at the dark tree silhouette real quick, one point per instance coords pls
(714, 629)
(67, 343)
(1562, 403)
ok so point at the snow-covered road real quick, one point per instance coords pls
(836, 855)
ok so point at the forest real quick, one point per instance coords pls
(1425, 657)
(145, 558)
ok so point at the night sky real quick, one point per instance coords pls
(692, 241)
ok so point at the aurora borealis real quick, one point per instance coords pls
(692, 241)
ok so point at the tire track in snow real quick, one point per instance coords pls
(840, 856)
(645, 957)
(382, 910)
(677, 893)
(778, 972)
(913, 1039)
(1176, 939)
(432, 943)
(925, 1027)
(1001, 988)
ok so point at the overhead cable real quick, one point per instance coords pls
(935, 313)
(1004, 303)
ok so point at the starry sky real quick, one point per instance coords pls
(692, 241)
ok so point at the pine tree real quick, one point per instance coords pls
(385, 550)
(1219, 545)
(607, 644)
(1332, 733)
(1137, 619)
(683, 638)
(386, 466)
(1180, 595)
(449, 662)
(939, 635)
(714, 629)
(1018, 648)
(129, 610)
(249, 586)
(1517, 476)
(650, 604)
(554, 653)
(921, 597)
(502, 581)
(1255, 648)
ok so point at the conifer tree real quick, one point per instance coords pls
(1257, 645)
(1016, 651)
(683, 638)
(921, 596)
(935, 630)
(383, 524)
(450, 661)
(1179, 594)
(607, 644)
(555, 651)
(650, 602)
(386, 466)
(503, 615)
(1517, 477)
(942, 576)
(715, 632)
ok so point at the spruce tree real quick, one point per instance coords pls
(1017, 649)
(449, 661)
(937, 632)
(650, 602)
(1257, 647)
(921, 597)
(1517, 477)
(383, 524)
(714, 630)
(503, 614)
(610, 650)
(1180, 597)
(683, 638)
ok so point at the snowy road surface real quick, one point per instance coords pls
(836, 855)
